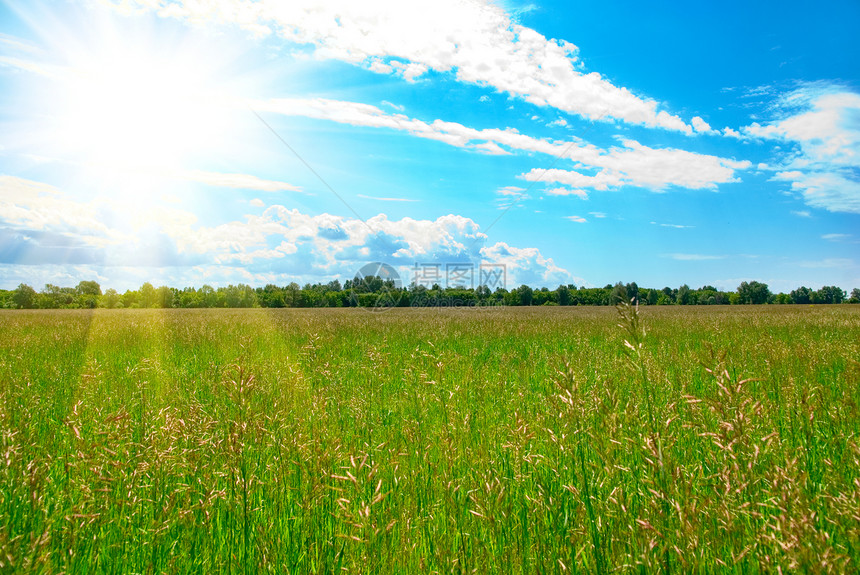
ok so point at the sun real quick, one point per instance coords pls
(134, 93)
(127, 107)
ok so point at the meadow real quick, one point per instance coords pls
(510, 440)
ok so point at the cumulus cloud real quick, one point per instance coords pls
(30, 205)
(334, 245)
(822, 122)
(526, 265)
(700, 125)
(475, 41)
(279, 242)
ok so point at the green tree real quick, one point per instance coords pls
(653, 296)
(164, 297)
(563, 294)
(632, 292)
(110, 299)
(271, 296)
(88, 288)
(684, 295)
(147, 295)
(130, 299)
(88, 293)
(802, 295)
(753, 293)
(24, 297)
(207, 295)
(855, 296)
(54, 296)
(783, 298)
(525, 295)
(247, 297)
(292, 295)
(189, 298)
(618, 294)
(830, 294)
(670, 295)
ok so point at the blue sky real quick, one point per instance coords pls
(184, 142)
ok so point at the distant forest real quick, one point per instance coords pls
(373, 291)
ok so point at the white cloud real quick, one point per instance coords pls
(599, 215)
(675, 226)
(510, 191)
(277, 242)
(823, 123)
(840, 263)
(801, 213)
(337, 245)
(26, 65)
(559, 122)
(386, 199)
(836, 237)
(409, 71)
(693, 257)
(452, 133)
(832, 191)
(639, 165)
(526, 266)
(827, 130)
(397, 107)
(257, 203)
(34, 205)
(476, 41)
(632, 164)
(238, 181)
(510, 196)
(19, 54)
(568, 192)
(700, 125)
(577, 219)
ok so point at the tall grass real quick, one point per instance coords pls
(439, 441)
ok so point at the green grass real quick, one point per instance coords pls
(430, 441)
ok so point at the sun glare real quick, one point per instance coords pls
(134, 105)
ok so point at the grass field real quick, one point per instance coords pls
(430, 441)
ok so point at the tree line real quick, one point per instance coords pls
(376, 292)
